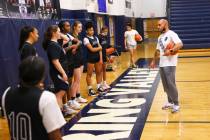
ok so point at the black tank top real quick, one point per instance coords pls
(22, 110)
(103, 40)
(79, 49)
(94, 43)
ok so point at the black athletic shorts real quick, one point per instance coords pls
(104, 58)
(70, 71)
(78, 60)
(59, 84)
(93, 60)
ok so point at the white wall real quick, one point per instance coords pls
(117, 8)
(139, 8)
(130, 12)
(147, 8)
(92, 6)
(73, 4)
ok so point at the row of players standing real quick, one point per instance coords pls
(64, 51)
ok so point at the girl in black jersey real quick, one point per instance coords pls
(71, 50)
(28, 37)
(77, 62)
(94, 59)
(103, 40)
(57, 61)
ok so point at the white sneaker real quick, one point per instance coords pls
(74, 104)
(105, 86)
(81, 100)
(175, 109)
(68, 111)
(167, 106)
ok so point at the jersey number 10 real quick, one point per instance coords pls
(20, 126)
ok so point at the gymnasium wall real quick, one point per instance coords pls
(118, 7)
(150, 8)
(9, 55)
(73, 4)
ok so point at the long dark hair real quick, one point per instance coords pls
(89, 25)
(62, 24)
(48, 35)
(104, 28)
(24, 35)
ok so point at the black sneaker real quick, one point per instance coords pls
(101, 91)
(91, 92)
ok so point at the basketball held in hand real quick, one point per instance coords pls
(170, 47)
(138, 37)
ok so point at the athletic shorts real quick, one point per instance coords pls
(78, 61)
(70, 70)
(93, 60)
(59, 84)
(132, 47)
(104, 58)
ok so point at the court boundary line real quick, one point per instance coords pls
(186, 122)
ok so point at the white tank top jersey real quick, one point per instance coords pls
(163, 41)
(130, 37)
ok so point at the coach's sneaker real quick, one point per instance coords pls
(67, 110)
(74, 104)
(91, 92)
(175, 109)
(81, 100)
(167, 106)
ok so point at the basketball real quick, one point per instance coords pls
(138, 37)
(169, 47)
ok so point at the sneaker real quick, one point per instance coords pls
(134, 66)
(175, 109)
(81, 100)
(68, 111)
(101, 90)
(74, 104)
(105, 86)
(167, 106)
(91, 92)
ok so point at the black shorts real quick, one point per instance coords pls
(78, 61)
(93, 60)
(104, 55)
(73, 64)
(59, 84)
(104, 58)
(70, 71)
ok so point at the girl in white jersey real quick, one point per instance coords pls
(130, 42)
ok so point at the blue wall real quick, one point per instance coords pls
(9, 55)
